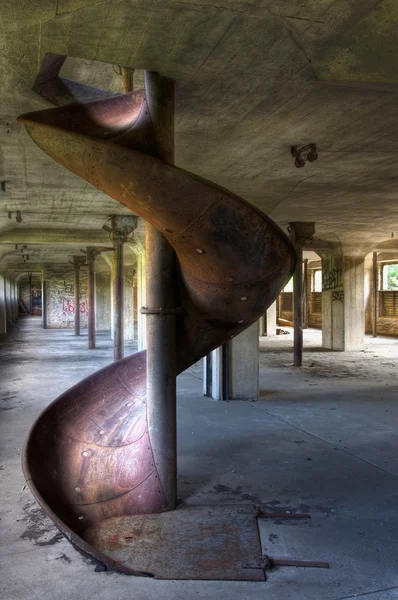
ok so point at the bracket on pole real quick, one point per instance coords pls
(301, 232)
(78, 261)
(121, 228)
(301, 155)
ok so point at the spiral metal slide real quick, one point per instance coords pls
(89, 458)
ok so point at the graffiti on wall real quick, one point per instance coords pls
(61, 305)
(69, 288)
(338, 295)
(332, 279)
(69, 306)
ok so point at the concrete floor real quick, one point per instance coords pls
(322, 439)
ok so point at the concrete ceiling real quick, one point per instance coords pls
(253, 78)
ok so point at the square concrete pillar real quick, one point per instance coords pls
(242, 356)
(3, 315)
(244, 364)
(212, 375)
(343, 307)
(268, 322)
(128, 302)
(103, 300)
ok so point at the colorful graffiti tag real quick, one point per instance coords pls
(69, 306)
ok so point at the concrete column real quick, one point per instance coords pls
(240, 381)
(271, 320)
(103, 300)
(78, 261)
(3, 315)
(244, 364)
(343, 307)
(268, 322)
(212, 375)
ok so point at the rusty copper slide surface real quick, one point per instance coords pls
(88, 457)
(192, 542)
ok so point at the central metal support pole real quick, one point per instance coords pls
(161, 297)
(375, 293)
(78, 261)
(91, 254)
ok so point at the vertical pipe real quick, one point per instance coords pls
(161, 362)
(298, 308)
(91, 300)
(44, 302)
(305, 294)
(160, 293)
(77, 300)
(30, 294)
(13, 300)
(16, 300)
(3, 316)
(375, 293)
(127, 79)
(118, 304)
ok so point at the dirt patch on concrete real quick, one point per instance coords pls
(40, 530)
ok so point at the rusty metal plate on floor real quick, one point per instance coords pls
(192, 542)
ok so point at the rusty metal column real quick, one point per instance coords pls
(375, 293)
(298, 309)
(161, 311)
(30, 294)
(121, 228)
(301, 233)
(44, 301)
(78, 261)
(91, 254)
(305, 294)
(118, 300)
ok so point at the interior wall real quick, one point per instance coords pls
(61, 300)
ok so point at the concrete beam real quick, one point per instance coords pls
(54, 236)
